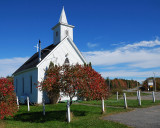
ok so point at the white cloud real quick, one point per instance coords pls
(124, 73)
(151, 43)
(132, 60)
(9, 65)
(141, 58)
(91, 45)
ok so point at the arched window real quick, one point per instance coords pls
(66, 62)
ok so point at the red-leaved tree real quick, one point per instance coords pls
(7, 98)
(52, 82)
(75, 80)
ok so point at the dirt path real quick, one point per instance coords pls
(2, 124)
(139, 118)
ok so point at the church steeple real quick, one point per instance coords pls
(62, 29)
(63, 18)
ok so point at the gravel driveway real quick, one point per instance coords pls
(139, 118)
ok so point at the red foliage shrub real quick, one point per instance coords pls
(7, 98)
(75, 80)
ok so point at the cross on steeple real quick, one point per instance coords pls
(37, 47)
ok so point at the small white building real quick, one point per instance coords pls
(33, 70)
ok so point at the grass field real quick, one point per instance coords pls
(84, 117)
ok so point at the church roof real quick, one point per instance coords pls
(34, 60)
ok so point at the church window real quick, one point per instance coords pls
(67, 32)
(23, 85)
(31, 84)
(57, 33)
(66, 62)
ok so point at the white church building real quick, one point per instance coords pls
(33, 70)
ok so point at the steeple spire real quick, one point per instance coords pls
(62, 29)
(63, 18)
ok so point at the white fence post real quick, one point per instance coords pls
(153, 95)
(68, 112)
(139, 97)
(43, 100)
(17, 102)
(117, 96)
(103, 106)
(28, 103)
(125, 101)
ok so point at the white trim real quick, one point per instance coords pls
(77, 50)
(51, 52)
(62, 24)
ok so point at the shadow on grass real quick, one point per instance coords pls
(37, 117)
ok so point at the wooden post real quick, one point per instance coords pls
(28, 103)
(153, 95)
(139, 98)
(117, 96)
(17, 102)
(68, 112)
(103, 111)
(137, 95)
(43, 100)
(125, 101)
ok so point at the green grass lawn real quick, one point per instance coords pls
(84, 117)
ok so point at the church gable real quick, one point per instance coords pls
(65, 49)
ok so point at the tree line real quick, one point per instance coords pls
(121, 84)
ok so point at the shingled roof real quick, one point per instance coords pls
(34, 60)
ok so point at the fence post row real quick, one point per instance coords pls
(28, 103)
(125, 101)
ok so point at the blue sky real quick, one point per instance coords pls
(120, 37)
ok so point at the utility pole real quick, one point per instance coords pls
(109, 85)
(154, 81)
